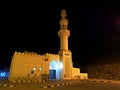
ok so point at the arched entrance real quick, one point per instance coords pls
(54, 70)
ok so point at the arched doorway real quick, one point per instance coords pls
(54, 70)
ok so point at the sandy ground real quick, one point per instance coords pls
(90, 84)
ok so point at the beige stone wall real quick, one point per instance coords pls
(66, 58)
(77, 75)
(52, 57)
(23, 63)
(75, 72)
(83, 76)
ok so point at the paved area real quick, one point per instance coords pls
(91, 84)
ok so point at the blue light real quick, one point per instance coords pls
(3, 74)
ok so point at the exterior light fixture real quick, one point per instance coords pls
(34, 68)
(40, 68)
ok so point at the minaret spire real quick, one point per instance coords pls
(63, 21)
(63, 14)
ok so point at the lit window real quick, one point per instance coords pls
(34, 68)
(40, 68)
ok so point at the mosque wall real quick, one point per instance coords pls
(30, 64)
(77, 75)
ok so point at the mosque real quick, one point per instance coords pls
(32, 66)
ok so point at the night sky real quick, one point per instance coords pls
(33, 26)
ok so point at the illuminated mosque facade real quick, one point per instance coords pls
(32, 66)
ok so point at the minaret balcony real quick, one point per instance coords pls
(62, 33)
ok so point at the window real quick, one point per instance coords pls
(32, 71)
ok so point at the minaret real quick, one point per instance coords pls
(65, 53)
(63, 32)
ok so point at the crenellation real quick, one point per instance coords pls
(41, 56)
(51, 54)
(19, 53)
(22, 53)
(15, 52)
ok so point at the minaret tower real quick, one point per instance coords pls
(63, 33)
(65, 53)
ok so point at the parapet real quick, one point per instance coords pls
(33, 54)
(26, 53)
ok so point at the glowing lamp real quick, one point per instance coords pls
(61, 65)
(40, 68)
(3, 74)
(34, 68)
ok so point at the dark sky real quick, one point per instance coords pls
(33, 26)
